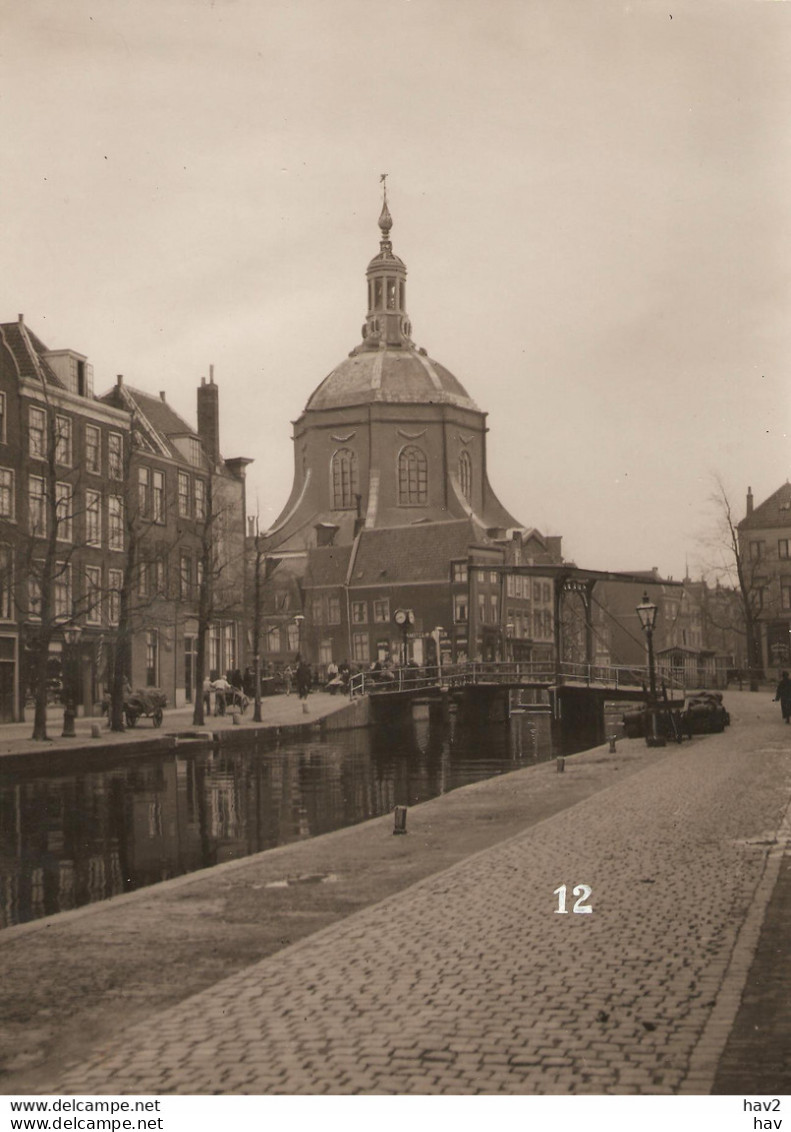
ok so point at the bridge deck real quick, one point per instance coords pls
(608, 682)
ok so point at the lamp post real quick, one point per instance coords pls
(647, 612)
(437, 635)
(71, 636)
(298, 619)
(404, 618)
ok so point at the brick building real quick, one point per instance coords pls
(697, 640)
(42, 389)
(124, 451)
(181, 483)
(391, 508)
(765, 550)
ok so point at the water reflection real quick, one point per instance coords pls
(68, 839)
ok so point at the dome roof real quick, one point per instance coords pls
(401, 375)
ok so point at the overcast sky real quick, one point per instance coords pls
(592, 200)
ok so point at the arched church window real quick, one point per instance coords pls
(378, 294)
(344, 479)
(391, 294)
(412, 476)
(465, 475)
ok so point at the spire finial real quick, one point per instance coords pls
(385, 219)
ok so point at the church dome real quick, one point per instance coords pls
(402, 375)
(387, 366)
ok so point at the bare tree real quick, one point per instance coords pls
(141, 588)
(259, 564)
(220, 570)
(49, 547)
(731, 565)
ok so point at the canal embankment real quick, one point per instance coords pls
(282, 717)
(75, 980)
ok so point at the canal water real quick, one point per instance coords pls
(71, 838)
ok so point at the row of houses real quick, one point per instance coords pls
(118, 492)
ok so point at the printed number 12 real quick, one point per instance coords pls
(582, 891)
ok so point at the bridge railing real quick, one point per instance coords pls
(407, 679)
(413, 679)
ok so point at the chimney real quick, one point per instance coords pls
(119, 380)
(209, 417)
(21, 320)
(749, 501)
(162, 396)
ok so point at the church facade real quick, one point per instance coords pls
(391, 509)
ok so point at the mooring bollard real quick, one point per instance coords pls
(560, 764)
(612, 744)
(96, 731)
(68, 731)
(236, 717)
(399, 816)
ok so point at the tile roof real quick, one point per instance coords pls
(163, 422)
(327, 565)
(164, 419)
(418, 553)
(773, 512)
(28, 350)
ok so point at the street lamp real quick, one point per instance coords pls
(437, 635)
(404, 618)
(509, 641)
(298, 619)
(71, 635)
(647, 612)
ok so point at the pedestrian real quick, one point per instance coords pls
(304, 680)
(221, 689)
(783, 694)
(208, 691)
(288, 673)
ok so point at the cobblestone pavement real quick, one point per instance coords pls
(470, 981)
(757, 1057)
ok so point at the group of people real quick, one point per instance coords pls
(221, 692)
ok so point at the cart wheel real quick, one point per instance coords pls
(131, 718)
(158, 717)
